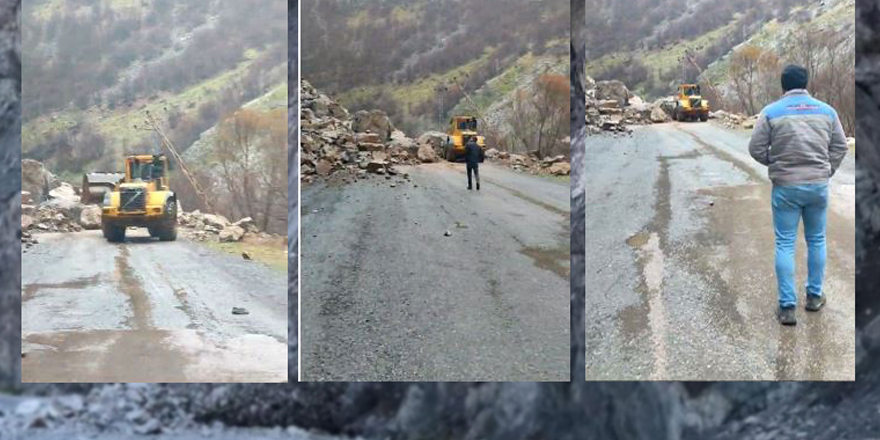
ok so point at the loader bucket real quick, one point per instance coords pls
(96, 184)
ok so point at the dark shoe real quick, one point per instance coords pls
(815, 303)
(478, 187)
(469, 188)
(786, 316)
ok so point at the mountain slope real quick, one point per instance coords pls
(93, 69)
(417, 60)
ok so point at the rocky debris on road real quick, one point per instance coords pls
(246, 256)
(336, 145)
(734, 120)
(200, 226)
(554, 165)
(240, 311)
(353, 147)
(607, 103)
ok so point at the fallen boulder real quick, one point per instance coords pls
(373, 121)
(215, 220)
(231, 233)
(612, 90)
(90, 217)
(560, 169)
(658, 115)
(427, 154)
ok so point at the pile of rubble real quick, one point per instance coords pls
(50, 205)
(199, 226)
(611, 107)
(734, 120)
(354, 146)
(530, 163)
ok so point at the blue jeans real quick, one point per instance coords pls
(790, 203)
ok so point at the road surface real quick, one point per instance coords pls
(149, 311)
(386, 296)
(680, 272)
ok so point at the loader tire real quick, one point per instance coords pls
(704, 117)
(168, 230)
(113, 234)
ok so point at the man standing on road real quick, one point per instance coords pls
(801, 141)
(472, 156)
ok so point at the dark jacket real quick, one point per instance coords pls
(472, 153)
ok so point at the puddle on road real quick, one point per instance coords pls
(555, 260)
(130, 284)
(151, 356)
(651, 260)
(30, 290)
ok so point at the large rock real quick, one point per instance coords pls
(90, 217)
(612, 90)
(667, 104)
(401, 140)
(373, 121)
(377, 166)
(36, 180)
(427, 154)
(215, 220)
(436, 139)
(560, 169)
(658, 115)
(231, 233)
(64, 191)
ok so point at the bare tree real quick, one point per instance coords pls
(250, 149)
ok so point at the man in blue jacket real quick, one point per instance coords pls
(801, 141)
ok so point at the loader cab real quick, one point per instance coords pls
(464, 124)
(689, 89)
(150, 169)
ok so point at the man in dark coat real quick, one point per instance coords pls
(473, 154)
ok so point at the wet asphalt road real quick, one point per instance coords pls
(385, 296)
(149, 311)
(679, 267)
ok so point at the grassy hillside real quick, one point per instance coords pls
(415, 59)
(646, 50)
(95, 67)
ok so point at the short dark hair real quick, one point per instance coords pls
(794, 77)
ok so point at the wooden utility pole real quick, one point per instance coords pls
(173, 151)
(690, 58)
(477, 110)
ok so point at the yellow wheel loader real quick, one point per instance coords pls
(689, 104)
(461, 128)
(140, 197)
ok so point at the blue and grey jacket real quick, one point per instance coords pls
(799, 138)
